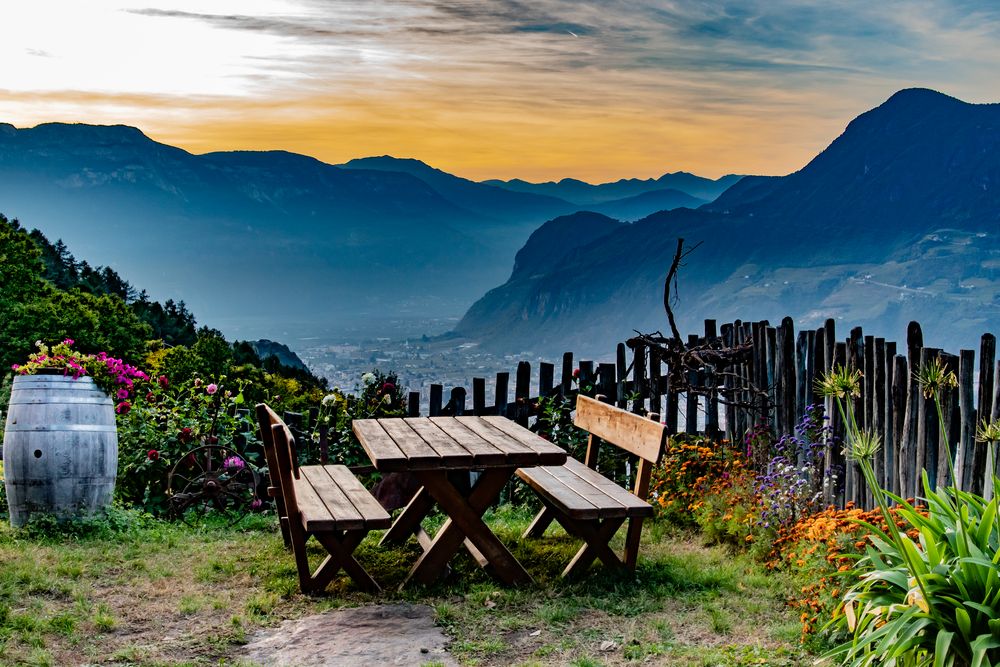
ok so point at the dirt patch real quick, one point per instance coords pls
(398, 634)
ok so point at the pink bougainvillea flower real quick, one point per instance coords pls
(162, 381)
(152, 455)
(211, 389)
(14, 367)
(122, 394)
(68, 341)
(123, 408)
(256, 504)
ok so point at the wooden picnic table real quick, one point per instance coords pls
(440, 452)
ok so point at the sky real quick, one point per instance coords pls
(540, 89)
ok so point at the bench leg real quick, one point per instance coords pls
(341, 549)
(408, 523)
(632, 543)
(596, 535)
(539, 523)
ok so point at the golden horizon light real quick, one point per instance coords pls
(541, 91)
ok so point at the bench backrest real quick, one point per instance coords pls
(634, 433)
(270, 424)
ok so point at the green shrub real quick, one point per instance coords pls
(934, 602)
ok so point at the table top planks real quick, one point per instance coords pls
(452, 443)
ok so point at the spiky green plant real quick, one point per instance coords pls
(933, 602)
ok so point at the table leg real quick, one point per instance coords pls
(408, 522)
(465, 521)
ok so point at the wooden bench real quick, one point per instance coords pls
(322, 501)
(590, 506)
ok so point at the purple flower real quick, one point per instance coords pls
(122, 394)
(234, 462)
(68, 341)
(211, 389)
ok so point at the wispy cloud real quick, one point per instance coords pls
(546, 88)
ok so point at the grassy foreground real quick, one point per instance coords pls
(134, 591)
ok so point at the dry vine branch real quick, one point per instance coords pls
(709, 359)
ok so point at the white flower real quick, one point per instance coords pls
(368, 378)
(329, 398)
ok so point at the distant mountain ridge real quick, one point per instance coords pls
(262, 244)
(580, 192)
(898, 219)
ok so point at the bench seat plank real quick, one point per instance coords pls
(329, 499)
(370, 509)
(635, 506)
(554, 490)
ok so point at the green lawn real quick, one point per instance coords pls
(134, 591)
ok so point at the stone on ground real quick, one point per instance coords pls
(398, 634)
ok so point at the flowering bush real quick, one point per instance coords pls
(116, 378)
(790, 486)
(690, 466)
(379, 395)
(167, 422)
(822, 549)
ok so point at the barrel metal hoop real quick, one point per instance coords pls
(91, 400)
(94, 428)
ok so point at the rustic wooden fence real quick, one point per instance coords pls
(785, 364)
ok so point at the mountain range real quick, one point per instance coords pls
(260, 243)
(898, 219)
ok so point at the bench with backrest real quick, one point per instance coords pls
(590, 506)
(326, 502)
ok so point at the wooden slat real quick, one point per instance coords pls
(418, 453)
(548, 452)
(315, 513)
(637, 506)
(515, 453)
(451, 453)
(339, 506)
(385, 454)
(370, 510)
(643, 437)
(483, 453)
(553, 490)
(608, 506)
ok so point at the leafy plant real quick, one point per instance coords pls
(935, 601)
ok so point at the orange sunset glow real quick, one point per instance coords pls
(596, 91)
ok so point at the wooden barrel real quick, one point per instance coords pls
(60, 447)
